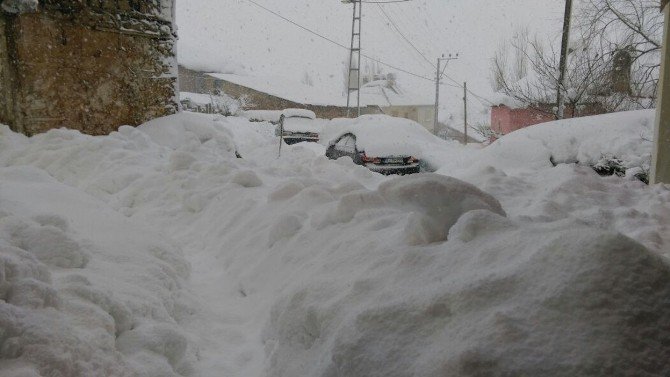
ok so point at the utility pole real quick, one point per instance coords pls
(437, 96)
(560, 95)
(438, 76)
(355, 57)
(660, 163)
(465, 113)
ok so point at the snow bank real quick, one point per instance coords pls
(303, 266)
(189, 130)
(262, 115)
(499, 299)
(435, 203)
(77, 280)
(626, 136)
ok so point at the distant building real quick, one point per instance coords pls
(87, 65)
(505, 119)
(381, 95)
(383, 91)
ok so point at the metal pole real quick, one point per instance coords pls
(437, 96)
(560, 98)
(355, 50)
(360, 21)
(660, 165)
(465, 113)
(351, 61)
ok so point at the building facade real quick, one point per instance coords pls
(505, 119)
(422, 114)
(90, 65)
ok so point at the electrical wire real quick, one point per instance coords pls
(442, 74)
(397, 29)
(458, 85)
(337, 43)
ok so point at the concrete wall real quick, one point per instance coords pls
(422, 114)
(91, 66)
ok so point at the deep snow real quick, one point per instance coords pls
(155, 252)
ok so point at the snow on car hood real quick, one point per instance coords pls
(300, 124)
(300, 113)
(382, 135)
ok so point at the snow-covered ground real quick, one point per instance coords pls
(156, 252)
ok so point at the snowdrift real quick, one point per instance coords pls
(83, 292)
(155, 252)
(626, 136)
(499, 299)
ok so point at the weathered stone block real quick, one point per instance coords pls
(91, 65)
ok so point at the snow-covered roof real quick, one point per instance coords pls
(376, 93)
(385, 93)
(287, 89)
(197, 98)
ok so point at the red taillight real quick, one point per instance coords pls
(413, 160)
(374, 160)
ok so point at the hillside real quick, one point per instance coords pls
(238, 36)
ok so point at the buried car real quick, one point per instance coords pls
(384, 144)
(384, 164)
(298, 125)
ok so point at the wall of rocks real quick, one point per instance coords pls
(91, 65)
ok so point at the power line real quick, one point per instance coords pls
(458, 85)
(337, 43)
(403, 35)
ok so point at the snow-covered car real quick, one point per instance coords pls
(381, 143)
(395, 163)
(297, 125)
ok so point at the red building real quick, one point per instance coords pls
(505, 119)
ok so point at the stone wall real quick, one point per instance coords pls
(89, 65)
(6, 96)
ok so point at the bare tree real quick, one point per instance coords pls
(635, 26)
(535, 85)
(612, 64)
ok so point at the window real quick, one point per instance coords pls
(346, 144)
